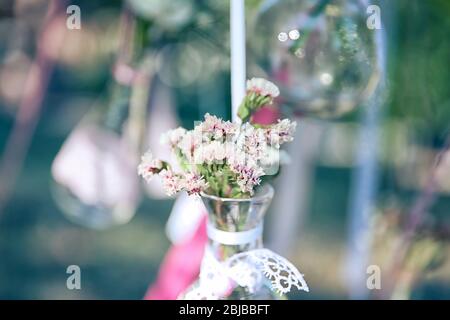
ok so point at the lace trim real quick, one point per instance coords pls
(247, 269)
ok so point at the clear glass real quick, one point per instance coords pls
(94, 174)
(321, 54)
(237, 215)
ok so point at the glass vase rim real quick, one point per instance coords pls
(266, 192)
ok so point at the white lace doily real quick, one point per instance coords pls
(247, 269)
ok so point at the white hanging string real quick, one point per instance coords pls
(237, 40)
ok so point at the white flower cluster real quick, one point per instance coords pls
(218, 157)
(263, 87)
(149, 166)
(173, 137)
(172, 182)
(260, 93)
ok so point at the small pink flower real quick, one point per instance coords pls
(252, 141)
(249, 176)
(211, 124)
(263, 87)
(173, 137)
(191, 141)
(172, 183)
(280, 133)
(194, 183)
(149, 166)
(214, 128)
(229, 129)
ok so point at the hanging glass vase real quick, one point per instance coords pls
(235, 263)
(94, 173)
(321, 54)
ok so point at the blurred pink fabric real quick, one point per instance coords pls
(181, 264)
(180, 267)
(266, 115)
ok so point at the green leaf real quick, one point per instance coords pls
(243, 112)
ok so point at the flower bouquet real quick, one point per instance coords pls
(226, 163)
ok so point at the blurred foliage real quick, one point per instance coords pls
(420, 62)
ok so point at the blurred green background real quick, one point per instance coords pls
(37, 242)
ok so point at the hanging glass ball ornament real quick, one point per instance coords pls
(321, 54)
(94, 173)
